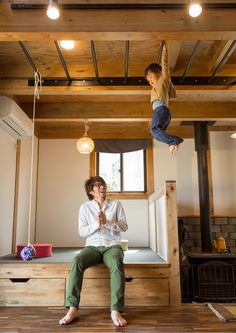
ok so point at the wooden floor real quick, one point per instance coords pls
(186, 318)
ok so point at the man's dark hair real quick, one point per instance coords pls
(88, 185)
(154, 68)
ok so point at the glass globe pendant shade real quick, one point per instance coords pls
(195, 9)
(85, 145)
(233, 136)
(53, 11)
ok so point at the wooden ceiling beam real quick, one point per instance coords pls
(174, 48)
(131, 110)
(130, 96)
(13, 35)
(113, 130)
(219, 55)
(120, 24)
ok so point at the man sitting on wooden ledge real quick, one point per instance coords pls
(101, 222)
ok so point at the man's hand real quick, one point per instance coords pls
(102, 218)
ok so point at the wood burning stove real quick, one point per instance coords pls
(209, 277)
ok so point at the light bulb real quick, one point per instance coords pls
(85, 145)
(67, 44)
(195, 9)
(233, 136)
(53, 10)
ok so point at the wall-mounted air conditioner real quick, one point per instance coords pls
(13, 119)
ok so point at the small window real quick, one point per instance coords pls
(128, 175)
(123, 172)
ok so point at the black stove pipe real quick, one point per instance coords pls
(201, 147)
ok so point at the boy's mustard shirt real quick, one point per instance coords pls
(163, 89)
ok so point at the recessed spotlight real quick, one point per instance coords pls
(67, 44)
(195, 9)
(53, 11)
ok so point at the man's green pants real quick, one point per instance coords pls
(112, 257)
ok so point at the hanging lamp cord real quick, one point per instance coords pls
(37, 90)
(86, 127)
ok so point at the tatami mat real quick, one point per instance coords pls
(133, 255)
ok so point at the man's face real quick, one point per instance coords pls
(99, 191)
(152, 78)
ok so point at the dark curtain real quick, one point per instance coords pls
(121, 145)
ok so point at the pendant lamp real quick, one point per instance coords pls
(85, 145)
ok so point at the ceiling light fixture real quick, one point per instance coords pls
(233, 136)
(85, 145)
(53, 10)
(67, 44)
(194, 8)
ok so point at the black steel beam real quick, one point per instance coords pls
(204, 80)
(191, 122)
(28, 56)
(126, 59)
(191, 59)
(95, 64)
(163, 5)
(137, 81)
(201, 147)
(62, 60)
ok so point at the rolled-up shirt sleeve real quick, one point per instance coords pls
(85, 228)
(164, 63)
(120, 223)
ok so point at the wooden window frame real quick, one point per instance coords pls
(130, 195)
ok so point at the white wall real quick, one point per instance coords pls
(7, 189)
(61, 175)
(152, 226)
(223, 156)
(182, 167)
(24, 192)
(187, 179)
(62, 172)
(164, 164)
(136, 212)
(161, 225)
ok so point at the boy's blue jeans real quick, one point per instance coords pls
(160, 121)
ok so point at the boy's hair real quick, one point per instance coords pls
(89, 183)
(154, 68)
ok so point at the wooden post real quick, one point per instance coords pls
(14, 225)
(173, 243)
(92, 164)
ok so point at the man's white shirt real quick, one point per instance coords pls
(102, 235)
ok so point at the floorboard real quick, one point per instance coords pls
(195, 318)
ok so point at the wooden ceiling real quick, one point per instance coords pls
(125, 41)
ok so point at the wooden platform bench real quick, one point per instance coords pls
(44, 284)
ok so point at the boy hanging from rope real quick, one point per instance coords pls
(159, 78)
